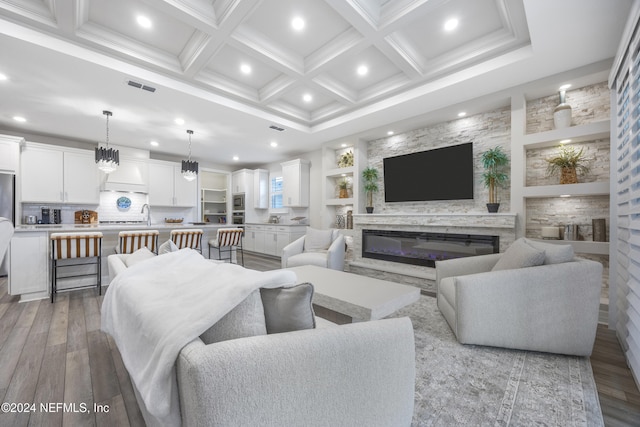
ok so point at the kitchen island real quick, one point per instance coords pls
(30, 253)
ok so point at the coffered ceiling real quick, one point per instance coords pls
(233, 68)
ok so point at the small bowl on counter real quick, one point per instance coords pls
(173, 220)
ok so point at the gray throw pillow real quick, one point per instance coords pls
(244, 320)
(167, 247)
(317, 240)
(554, 254)
(519, 255)
(288, 309)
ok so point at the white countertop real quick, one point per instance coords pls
(280, 224)
(113, 227)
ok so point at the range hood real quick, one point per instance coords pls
(130, 176)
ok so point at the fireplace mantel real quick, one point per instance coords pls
(476, 220)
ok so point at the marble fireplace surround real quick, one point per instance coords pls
(498, 224)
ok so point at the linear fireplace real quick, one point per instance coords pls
(421, 248)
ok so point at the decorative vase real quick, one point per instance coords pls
(562, 113)
(568, 176)
(369, 209)
(349, 219)
(493, 207)
(344, 193)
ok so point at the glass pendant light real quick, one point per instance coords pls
(107, 158)
(189, 167)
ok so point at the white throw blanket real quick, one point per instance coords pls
(153, 309)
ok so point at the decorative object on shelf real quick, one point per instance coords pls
(571, 232)
(551, 233)
(123, 203)
(85, 217)
(189, 167)
(346, 160)
(370, 176)
(568, 162)
(340, 221)
(350, 220)
(344, 189)
(107, 158)
(494, 160)
(562, 112)
(599, 229)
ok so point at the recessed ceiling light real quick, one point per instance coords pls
(343, 174)
(19, 119)
(154, 143)
(390, 133)
(363, 70)
(462, 114)
(565, 87)
(273, 144)
(143, 21)
(307, 97)
(565, 141)
(343, 145)
(236, 158)
(565, 195)
(179, 121)
(451, 24)
(297, 23)
(245, 68)
(3, 77)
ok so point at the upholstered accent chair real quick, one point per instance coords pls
(324, 248)
(537, 297)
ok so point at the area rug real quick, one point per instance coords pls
(485, 386)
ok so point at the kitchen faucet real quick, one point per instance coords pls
(148, 213)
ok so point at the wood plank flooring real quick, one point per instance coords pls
(52, 354)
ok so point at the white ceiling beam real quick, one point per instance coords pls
(222, 83)
(347, 42)
(39, 12)
(197, 13)
(335, 88)
(275, 88)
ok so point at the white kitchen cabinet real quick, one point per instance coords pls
(9, 153)
(258, 238)
(271, 239)
(295, 183)
(56, 176)
(29, 265)
(261, 189)
(241, 181)
(249, 238)
(167, 186)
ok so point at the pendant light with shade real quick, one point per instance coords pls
(107, 158)
(189, 167)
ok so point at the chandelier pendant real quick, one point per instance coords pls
(189, 167)
(107, 159)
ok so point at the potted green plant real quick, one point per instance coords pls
(568, 162)
(494, 160)
(343, 185)
(370, 184)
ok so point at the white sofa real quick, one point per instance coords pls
(300, 252)
(550, 308)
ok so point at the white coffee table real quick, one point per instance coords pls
(359, 297)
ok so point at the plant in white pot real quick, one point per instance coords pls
(370, 185)
(494, 160)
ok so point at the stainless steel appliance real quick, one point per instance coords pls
(238, 202)
(7, 209)
(238, 218)
(50, 216)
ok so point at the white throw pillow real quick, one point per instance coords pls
(317, 240)
(167, 247)
(554, 254)
(140, 255)
(519, 255)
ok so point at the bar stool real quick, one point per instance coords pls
(75, 246)
(228, 238)
(131, 241)
(187, 238)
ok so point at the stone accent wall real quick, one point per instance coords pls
(485, 131)
(589, 104)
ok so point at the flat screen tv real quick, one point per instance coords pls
(439, 174)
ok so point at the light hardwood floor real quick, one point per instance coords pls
(55, 353)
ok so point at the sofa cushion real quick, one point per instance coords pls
(519, 255)
(288, 309)
(553, 254)
(244, 320)
(140, 255)
(167, 247)
(318, 258)
(317, 240)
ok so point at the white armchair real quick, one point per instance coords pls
(324, 248)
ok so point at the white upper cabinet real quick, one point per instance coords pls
(9, 153)
(241, 181)
(261, 189)
(167, 187)
(56, 176)
(295, 183)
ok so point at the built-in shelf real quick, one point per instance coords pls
(582, 246)
(580, 133)
(339, 172)
(339, 202)
(581, 189)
